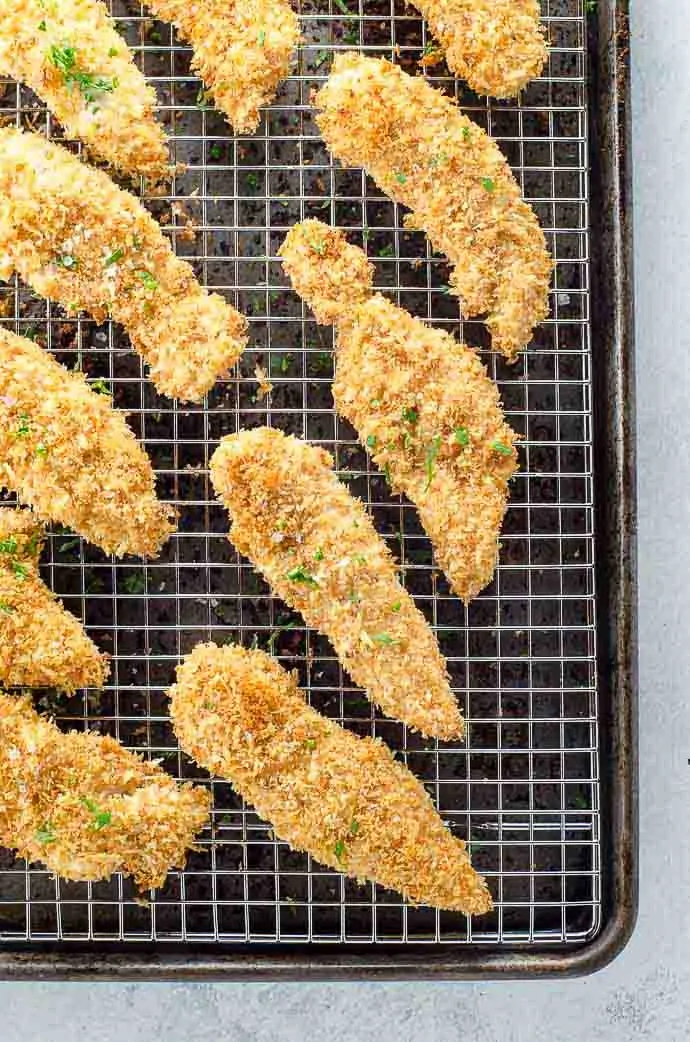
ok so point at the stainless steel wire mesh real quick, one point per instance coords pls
(524, 789)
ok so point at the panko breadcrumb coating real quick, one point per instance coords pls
(77, 238)
(343, 799)
(319, 551)
(423, 404)
(69, 455)
(85, 807)
(423, 152)
(498, 46)
(70, 53)
(241, 50)
(41, 644)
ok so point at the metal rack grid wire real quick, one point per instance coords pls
(524, 789)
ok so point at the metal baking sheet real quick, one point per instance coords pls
(541, 661)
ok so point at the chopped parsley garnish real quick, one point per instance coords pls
(41, 449)
(371, 441)
(504, 450)
(318, 554)
(397, 606)
(375, 403)
(67, 261)
(301, 575)
(45, 835)
(466, 134)
(359, 558)
(342, 6)
(20, 570)
(386, 251)
(42, 26)
(339, 849)
(150, 283)
(384, 639)
(321, 57)
(410, 414)
(6, 608)
(318, 247)
(401, 178)
(462, 436)
(261, 39)
(101, 818)
(310, 743)
(488, 184)
(438, 160)
(252, 180)
(23, 429)
(215, 151)
(135, 583)
(100, 386)
(113, 51)
(354, 827)
(9, 546)
(114, 257)
(387, 472)
(432, 451)
(202, 100)
(65, 60)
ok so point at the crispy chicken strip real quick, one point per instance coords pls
(69, 455)
(498, 46)
(70, 53)
(77, 238)
(423, 404)
(423, 152)
(85, 807)
(345, 800)
(41, 644)
(318, 549)
(242, 50)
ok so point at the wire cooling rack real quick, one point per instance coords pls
(524, 789)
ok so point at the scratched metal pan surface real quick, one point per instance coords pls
(542, 662)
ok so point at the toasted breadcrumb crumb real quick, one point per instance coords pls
(41, 644)
(70, 53)
(343, 799)
(241, 50)
(69, 455)
(423, 152)
(320, 552)
(85, 807)
(77, 238)
(497, 46)
(422, 403)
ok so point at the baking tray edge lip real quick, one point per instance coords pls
(611, 165)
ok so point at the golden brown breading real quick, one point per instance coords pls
(318, 549)
(498, 46)
(41, 644)
(423, 152)
(423, 404)
(85, 807)
(69, 455)
(343, 799)
(77, 238)
(242, 50)
(70, 53)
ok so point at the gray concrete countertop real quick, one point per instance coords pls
(645, 993)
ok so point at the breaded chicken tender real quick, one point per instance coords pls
(70, 53)
(241, 50)
(41, 644)
(424, 153)
(67, 453)
(77, 238)
(85, 807)
(345, 800)
(318, 549)
(423, 404)
(498, 46)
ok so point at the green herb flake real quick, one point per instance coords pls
(41, 450)
(384, 639)
(100, 386)
(401, 178)
(397, 606)
(45, 835)
(42, 26)
(261, 38)
(64, 59)
(202, 100)
(386, 251)
(6, 608)
(318, 247)
(301, 575)
(135, 583)
(9, 545)
(375, 403)
(339, 849)
(342, 6)
(410, 414)
(252, 180)
(466, 135)
(149, 281)
(504, 450)
(101, 818)
(113, 52)
(19, 570)
(216, 152)
(387, 472)
(354, 827)
(114, 257)
(67, 261)
(23, 429)
(432, 452)
(371, 441)
(488, 184)
(318, 554)
(310, 743)
(321, 58)
(462, 436)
